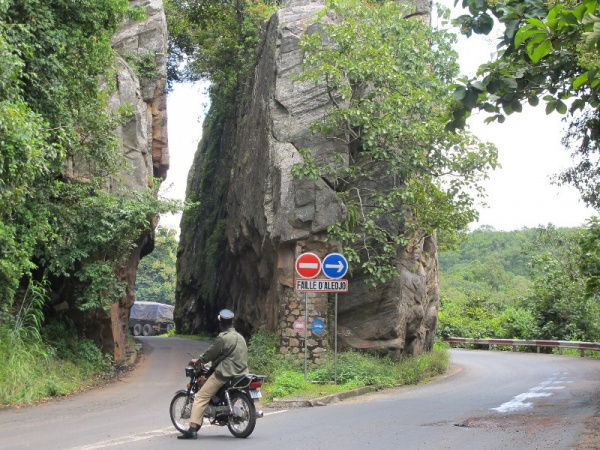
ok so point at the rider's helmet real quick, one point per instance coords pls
(226, 317)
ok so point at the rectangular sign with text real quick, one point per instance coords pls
(322, 285)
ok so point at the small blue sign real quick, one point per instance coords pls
(335, 266)
(318, 326)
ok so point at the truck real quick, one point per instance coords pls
(150, 318)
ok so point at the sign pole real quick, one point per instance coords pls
(305, 335)
(335, 351)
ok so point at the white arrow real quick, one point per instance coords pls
(340, 266)
(308, 265)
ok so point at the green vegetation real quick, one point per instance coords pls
(548, 52)
(527, 284)
(53, 114)
(35, 364)
(156, 276)
(144, 66)
(388, 78)
(63, 234)
(215, 40)
(354, 369)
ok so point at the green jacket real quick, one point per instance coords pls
(228, 353)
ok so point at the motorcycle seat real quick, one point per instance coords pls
(240, 381)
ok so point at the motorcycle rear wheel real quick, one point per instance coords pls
(241, 424)
(180, 410)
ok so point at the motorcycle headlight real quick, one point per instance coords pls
(189, 371)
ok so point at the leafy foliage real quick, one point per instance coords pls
(285, 374)
(214, 40)
(387, 80)
(548, 52)
(589, 243)
(54, 112)
(262, 351)
(541, 297)
(354, 370)
(156, 275)
(26, 350)
(558, 298)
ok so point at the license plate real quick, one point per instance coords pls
(255, 393)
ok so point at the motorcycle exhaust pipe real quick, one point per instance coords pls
(259, 414)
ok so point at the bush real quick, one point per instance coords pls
(287, 383)
(355, 369)
(262, 351)
(32, 369)
(79, 351)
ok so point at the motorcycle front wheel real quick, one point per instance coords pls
(241, 424)
(180, 411)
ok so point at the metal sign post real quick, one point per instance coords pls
(308, 266)
(335, 345)
(305, 336)
(335, 267)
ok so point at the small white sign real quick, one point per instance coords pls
(322, 285)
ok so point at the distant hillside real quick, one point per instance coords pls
(519, 284)
(511, 249)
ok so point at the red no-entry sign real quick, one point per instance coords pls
(308, 265)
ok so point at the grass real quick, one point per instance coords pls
(354, 370)
(285, 374)
(32, 371)
(35, 365)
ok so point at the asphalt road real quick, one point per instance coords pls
(490, 400)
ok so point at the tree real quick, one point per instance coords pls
(548, 51)
(387, 77)
(156, 276)
(558, 298)
(589, 245)
(56, 67)
(214, 40)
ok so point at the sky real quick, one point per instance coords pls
(520, 193)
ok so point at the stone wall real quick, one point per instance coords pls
(291, 338)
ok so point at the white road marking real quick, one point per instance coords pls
(147, 435)
(520, 401)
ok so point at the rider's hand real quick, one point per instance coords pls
(193, 362)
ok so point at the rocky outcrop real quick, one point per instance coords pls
(238, 247)
(144, 144)
(144, 138)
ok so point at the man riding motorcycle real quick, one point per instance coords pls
(229, 357)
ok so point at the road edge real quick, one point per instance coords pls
(453, 369)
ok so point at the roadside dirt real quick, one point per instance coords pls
(590, 439)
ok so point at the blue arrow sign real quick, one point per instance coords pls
(335, 266)
(318, 326)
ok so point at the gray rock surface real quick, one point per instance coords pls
(145, 146)
(271, 217)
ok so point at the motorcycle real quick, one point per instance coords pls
(233, 405)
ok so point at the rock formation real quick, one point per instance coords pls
(143, 139)
(144, 144)
(238, 247)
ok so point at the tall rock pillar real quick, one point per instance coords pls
(143, 139)
(238, 247)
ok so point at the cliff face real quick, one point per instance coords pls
(144, 145)
(239, 246)
(143, 139)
